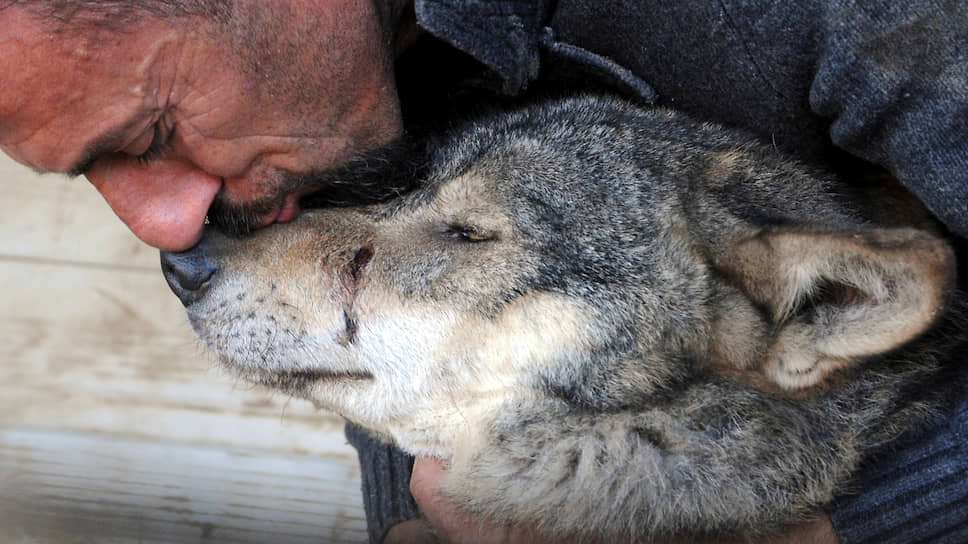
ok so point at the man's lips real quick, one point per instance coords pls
(288, 209)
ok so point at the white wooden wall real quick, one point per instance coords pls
(115, 424)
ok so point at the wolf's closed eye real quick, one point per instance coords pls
(469, 234)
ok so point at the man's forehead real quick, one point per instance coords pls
(48, 39)
(59, 99)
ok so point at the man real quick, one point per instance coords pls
(179, 110)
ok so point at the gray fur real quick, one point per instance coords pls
(595, 314)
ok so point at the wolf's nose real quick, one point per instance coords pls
(188, 273)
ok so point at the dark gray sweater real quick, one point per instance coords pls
(847, 85)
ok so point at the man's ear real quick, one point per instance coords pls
(836, 298)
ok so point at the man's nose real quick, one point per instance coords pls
(189, 273)
(164, 203)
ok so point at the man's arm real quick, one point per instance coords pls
(892, 79)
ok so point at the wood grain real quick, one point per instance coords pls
(159, 491)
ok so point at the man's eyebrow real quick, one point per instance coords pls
(107, 143)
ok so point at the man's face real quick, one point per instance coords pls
(174, 114)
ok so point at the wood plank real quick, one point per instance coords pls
(111, 489)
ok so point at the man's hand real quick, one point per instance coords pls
(451, 524)
(455, 526)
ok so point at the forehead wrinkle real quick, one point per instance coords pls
(227, 131)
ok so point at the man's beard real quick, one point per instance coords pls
(375, 176)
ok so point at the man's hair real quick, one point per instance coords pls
(117, 15)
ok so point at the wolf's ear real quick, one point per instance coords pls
(835, 298)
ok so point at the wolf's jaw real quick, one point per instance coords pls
(447, 433)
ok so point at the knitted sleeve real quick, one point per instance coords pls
(914, 492)
(893, 79)
(385, 473)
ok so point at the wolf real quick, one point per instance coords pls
(609, 321)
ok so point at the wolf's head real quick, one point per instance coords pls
(581, 249)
